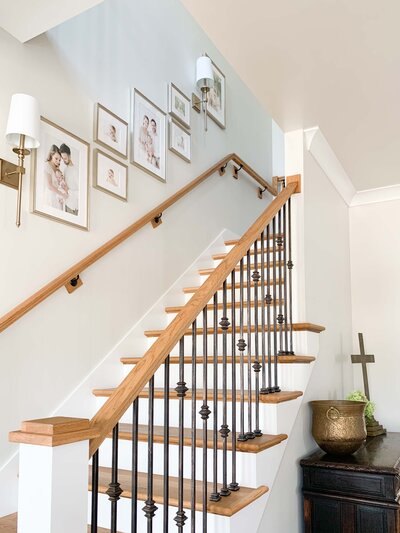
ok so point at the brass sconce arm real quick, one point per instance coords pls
(11, 174)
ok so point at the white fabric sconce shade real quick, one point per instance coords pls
(204, 73)
(23, 119)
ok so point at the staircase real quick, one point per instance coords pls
(257, 459)
(192, 438)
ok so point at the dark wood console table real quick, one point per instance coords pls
(354, 494)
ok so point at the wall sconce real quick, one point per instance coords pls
(204, 81)
(23, 133)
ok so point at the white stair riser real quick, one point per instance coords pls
(297, 342)
(269, 414)
(290, 376)
(250, 515)
(247, 463)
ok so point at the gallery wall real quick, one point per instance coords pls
(99, 57)
(375, 286)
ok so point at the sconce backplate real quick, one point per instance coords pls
(5, 168)
(196, 103)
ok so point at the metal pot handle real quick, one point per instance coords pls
(332, 413)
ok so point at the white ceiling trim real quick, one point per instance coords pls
(373, 196)
(323, 154)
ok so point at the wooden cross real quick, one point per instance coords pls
(363, 359)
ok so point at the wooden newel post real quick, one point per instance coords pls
(53, 474)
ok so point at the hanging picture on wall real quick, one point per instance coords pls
(110, 175)
(179, 140)
(179, 105)
(60, 176)
(148, 136)
(110, 131)
(216, 105)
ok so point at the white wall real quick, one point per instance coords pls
(375, 284)
(328, 302)
(100, 56)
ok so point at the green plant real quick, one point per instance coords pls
(359, 396)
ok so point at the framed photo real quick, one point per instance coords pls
(179, 105)
(110, 131)
(179, 140)
(60, 177)
(148, 136)
(110, 175)
(216, 106)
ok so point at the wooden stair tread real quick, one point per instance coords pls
(251, 446)
(208, 271)
(300, 326)
(189, 290)
(220, 256)
(274, 398)
(8, 524)
(174, 359)
(233, 242)
(210, 307)
(227, 506)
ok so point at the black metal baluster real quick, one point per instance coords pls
(181, 391)
(234, 485)
(263, 303)
(150, 508)
(166, 445)
(280, 317)
(285, 291)
(275, 387)
(134, 484)
(256, 364)
(114, 490)
(290, 268)
(250, 433)
(193, 443)
(241, 347)
(95, 492)
(224, 431)
(205, 413)
(215, 495)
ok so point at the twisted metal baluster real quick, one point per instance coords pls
(234, 485)
(285, 291)
(241, 345)
(290, 268)
(134, 485)
(95, 492)
(166, 445)
(193, 443)
(275, 387)
(215, 495)
(263, 296)
(205, 413)
(114, 490)
(224, 431)
(250, 433)
(181, 391)
(150, 508)
(256, 364)
(280, 317)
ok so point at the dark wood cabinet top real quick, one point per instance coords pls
(378, 454)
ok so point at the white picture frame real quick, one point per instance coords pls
(60, 176)
(148, 139)
(110, 175)
(110, 131)
(179, 140)
(216, 105)
(179, 105)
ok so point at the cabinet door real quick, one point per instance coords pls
(374, 520)
(325, 516)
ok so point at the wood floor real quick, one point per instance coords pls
(8, 524)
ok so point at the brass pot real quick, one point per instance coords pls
(338, 426)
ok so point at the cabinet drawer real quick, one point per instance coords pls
(377, 486)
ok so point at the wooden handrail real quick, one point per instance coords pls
(75, 270)
(111, 412)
